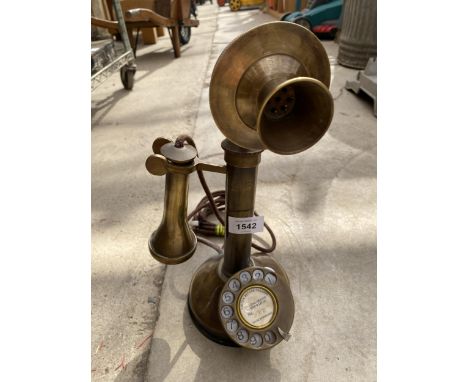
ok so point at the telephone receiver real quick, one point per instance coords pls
(268, 91)
(174, 241)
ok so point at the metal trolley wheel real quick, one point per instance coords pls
(127, 75)
(234, 5)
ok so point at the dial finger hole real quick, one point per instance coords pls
(226, 311)
(228, 297)
(270, 337)
(232, 326)
(257, 275)
(256, 340)
(270, 279)
(245, 277)
(242, 336)
(234, 285)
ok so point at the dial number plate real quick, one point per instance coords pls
(250, 308)
(257, 307)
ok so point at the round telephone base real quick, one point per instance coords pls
(201, 329)
(204, 293)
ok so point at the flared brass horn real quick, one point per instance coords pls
(269, 89)
(174, 241)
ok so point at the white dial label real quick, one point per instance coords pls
(245, 225)
(257, 307)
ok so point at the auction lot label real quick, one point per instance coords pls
(245, 225)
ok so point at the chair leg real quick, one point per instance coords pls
(130, 38)
(175, 38)
(136, 42)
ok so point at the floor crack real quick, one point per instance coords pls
(340, 94)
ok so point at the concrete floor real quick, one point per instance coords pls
(321, 205)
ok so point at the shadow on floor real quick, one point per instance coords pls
(232, 364)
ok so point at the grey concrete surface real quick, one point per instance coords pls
(126, 199)
(321, 205)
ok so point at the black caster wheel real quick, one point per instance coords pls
(184, 34)
(127, 75)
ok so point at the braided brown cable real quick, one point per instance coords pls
(210, 244)
(187, 138)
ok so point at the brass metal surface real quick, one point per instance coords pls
(211, 167)
(174, 241)
(205, 288)
(204, 291)
(240, 157)
(282, 298)
(254, 71)
(158, 143)
(156, 164)
(182, 160)
(269, 90)
(290, 130)
(240, 203)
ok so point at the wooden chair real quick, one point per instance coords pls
(171, 14)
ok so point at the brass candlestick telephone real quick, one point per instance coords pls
(269, 90)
